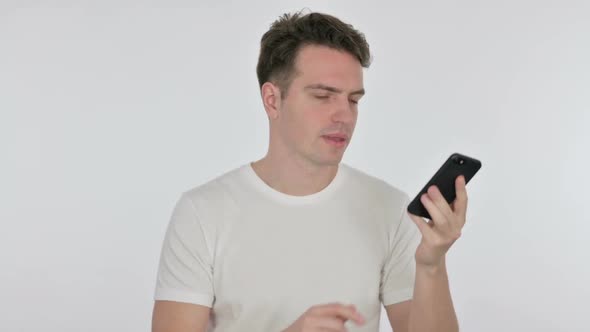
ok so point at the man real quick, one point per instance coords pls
(298, 241)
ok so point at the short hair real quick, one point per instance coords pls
(280, 45)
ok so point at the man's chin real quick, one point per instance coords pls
(333, 161)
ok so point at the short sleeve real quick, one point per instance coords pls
(399, 270)
(185, 271)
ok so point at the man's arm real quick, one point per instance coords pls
(431, 308)
(169, 316)
(399, 315)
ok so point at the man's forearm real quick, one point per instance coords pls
(432, 308)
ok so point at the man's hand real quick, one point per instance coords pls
(328, 317)
(445, 227)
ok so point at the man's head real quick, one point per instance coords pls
(310, 72)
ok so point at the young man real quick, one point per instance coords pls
(298, 241)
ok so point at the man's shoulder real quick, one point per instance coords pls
(373, 185)
(216, 186)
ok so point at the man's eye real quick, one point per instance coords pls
(354, 101)
(322, 97)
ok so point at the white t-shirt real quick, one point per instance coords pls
(260, 258)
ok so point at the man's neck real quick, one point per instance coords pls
(292, 177)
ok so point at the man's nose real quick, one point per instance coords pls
(344, 111)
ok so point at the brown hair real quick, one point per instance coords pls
(288, 34)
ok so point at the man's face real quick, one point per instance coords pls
(318, 115)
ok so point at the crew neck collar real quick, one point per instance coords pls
(284, 198)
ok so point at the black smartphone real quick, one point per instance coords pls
(457, 164)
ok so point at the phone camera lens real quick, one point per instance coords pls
(461, 161)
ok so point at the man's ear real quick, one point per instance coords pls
(271, 98)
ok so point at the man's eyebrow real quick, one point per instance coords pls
(332, 89)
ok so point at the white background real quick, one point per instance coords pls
(110, 110)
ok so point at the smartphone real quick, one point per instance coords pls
(457, 164)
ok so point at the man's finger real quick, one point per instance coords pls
(439, 200)
(342, 311)
(436, 216)
(423, 226)
(460, 204)
(328, 323)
